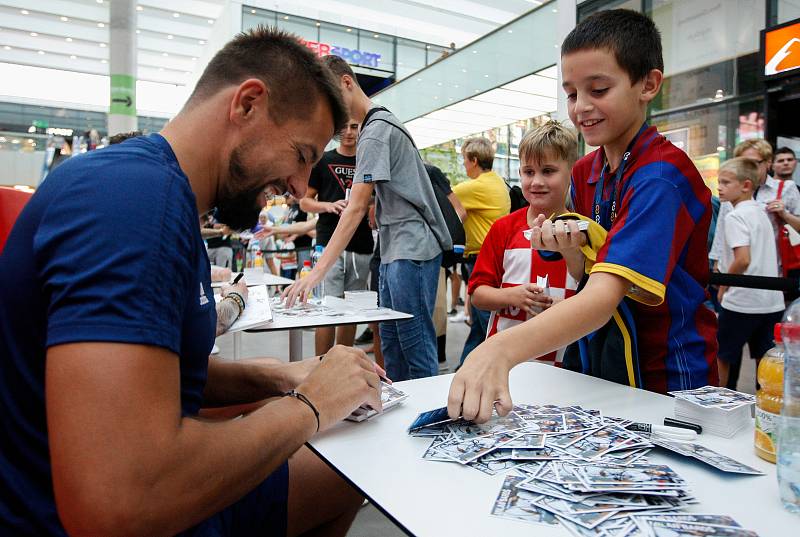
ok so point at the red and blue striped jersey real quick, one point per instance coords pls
(658, 242)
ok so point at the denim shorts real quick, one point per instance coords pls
(261, 512)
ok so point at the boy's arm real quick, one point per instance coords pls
(526, 297)
(741, 260)
(482, 382)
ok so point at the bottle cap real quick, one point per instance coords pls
(307, 263)
(776, 334)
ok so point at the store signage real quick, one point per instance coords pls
(781, 48)
(351, 56)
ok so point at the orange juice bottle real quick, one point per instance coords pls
(769, 399)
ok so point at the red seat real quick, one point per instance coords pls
(11, 203)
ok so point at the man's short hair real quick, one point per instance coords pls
(759, 144)
(122, 136)
(292, 73)
(339, 68)
(481, 149)
(550, 140)
(785, 150)
(743, 169)
(631, 37)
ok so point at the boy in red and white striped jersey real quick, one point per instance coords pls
(507, 269)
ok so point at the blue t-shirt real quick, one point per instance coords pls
(107, 249)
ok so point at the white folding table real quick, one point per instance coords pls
(433, 499)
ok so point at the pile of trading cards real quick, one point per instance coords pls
(574, 467)
(719, 411)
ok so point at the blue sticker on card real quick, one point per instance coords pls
(367, 177)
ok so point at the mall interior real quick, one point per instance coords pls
(75, 73)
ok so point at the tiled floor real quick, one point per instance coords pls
(370, 522)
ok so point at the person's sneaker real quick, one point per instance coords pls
(452, 311)
(365, 337)
(458, 317)
(460, 301)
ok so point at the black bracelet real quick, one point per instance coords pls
(303, 398)
(236, 302)
(237, 297)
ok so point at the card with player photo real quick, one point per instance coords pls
(518, 504)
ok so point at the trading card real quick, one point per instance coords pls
(527, 441)
(562, 440)
(708, 456)
(566, 510)
(436, 416)
(432, 454)
(518, 504)
(659, 528)
(580, 531)
(390, 397)
(545, 423)
(465, 451)
(543, 454)
(496, 424)
(494, 467)
(715, 397)
(693, 518)
(657, 475)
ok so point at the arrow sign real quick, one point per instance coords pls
(126, 100)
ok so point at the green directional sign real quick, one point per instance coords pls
(123, 95)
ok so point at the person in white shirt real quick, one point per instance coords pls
(747, 315)
(780, 198)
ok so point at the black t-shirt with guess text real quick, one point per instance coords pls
(330, 177)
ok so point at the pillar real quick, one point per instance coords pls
(122, 67)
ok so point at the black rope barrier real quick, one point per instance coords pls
(754, 282)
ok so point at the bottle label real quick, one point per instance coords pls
(766, 430)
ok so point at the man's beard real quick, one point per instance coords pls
(239, 210)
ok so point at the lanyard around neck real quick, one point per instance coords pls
(598, 193)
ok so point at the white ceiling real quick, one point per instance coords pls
(73, 34)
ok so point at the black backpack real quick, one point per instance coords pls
(518, 201)
(454, 226)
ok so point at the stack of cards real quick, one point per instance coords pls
(720, 411)
(361, 299)
(574, 467)
(390, 398)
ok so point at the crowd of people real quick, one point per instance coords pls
(109, 319)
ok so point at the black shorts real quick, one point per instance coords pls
(736, 329)
(262, 512)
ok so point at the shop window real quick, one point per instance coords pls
(264, 18)
(372, 43)
(708, 135)
(788, 10)
(704, 42)
(595, 6)
(411, 57)
(299, 26)
(338, 36)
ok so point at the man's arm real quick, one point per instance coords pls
(246, 381)
(124, 460)
(310, 204)
(483, 378)
(351, 217)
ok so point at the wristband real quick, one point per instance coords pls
(299, 396)
(233, 295)
(236, 302)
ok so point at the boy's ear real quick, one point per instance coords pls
(651, 85)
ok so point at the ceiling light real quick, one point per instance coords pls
(40, 52)
(349, 29)
(164, 54)
(511, 31)
(376, 36)
(99, 1)
(435, 96)
(286, 17)
(427, 46)
(170, 36)
(101, 25)
(72, 56)
(485, 76)
(68, 40)
(463, 70)
(14, 141)
(201, 42)
(139, 8)
(160, 68)
(194, 59)
(210, 21)
(555, 10)
(103, 45)
(64, 19)
(31, 129)
(419, 80)
(176, 14)
(253, 11)
(24, 11)
(34, 34)
(7, 47)
(438, 83)
(474, 51)
(455, 85)
(318, 24)
(104, 60)
(138, 32)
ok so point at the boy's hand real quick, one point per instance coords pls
(722, 290)
(527, 297)
(480, 386)
(557, 236)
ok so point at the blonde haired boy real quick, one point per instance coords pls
(747, 315)
(506, 271)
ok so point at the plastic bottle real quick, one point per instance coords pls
(306, 270)
(769, 399)
(789, 424)
(319, 289)
(259, 260)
